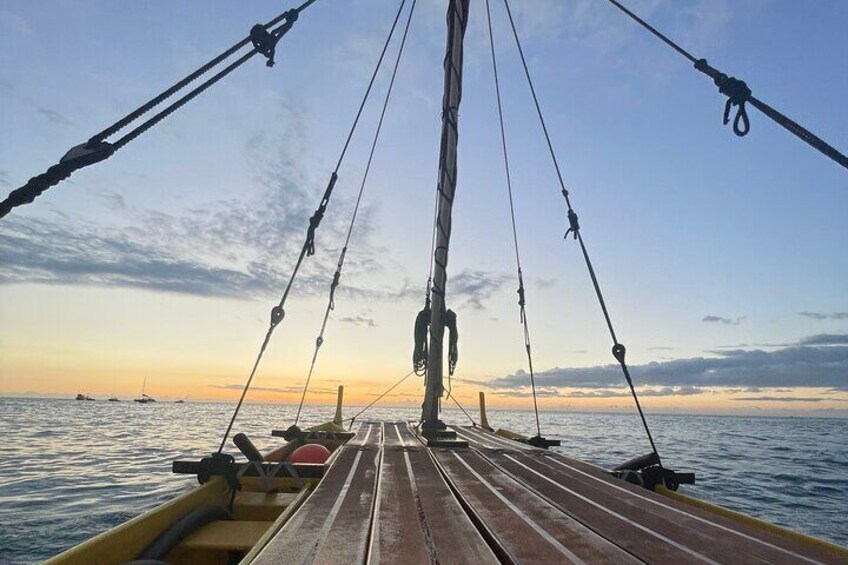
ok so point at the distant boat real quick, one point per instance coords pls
(144, 398)
(114, 399)
(83, 397)
(179, 402)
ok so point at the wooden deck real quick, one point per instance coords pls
(387, 498)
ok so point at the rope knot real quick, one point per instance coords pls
(574, 224)
(737, 93)
(314, 222)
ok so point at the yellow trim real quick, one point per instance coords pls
(337, 419)
(484, 421)
(123, 543)
(751, 521)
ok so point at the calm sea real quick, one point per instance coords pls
(71, 469)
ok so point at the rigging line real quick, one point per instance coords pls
(376, 400)
(147, 106)
(337, 276)
(618, 349)
(278, 313)
(96, 150)
(521, 296)
(464, 411)
(738, 94)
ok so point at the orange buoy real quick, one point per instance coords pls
(310, 453)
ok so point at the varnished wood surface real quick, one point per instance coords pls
(387, 498)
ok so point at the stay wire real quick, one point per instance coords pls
(521, 292)
(618, 350)
(376, 400)
(96, 149)
(337, 275)
(738, 94)
(150, 104)
(278, 313)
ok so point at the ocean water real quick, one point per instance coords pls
(70, 469)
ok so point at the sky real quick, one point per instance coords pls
(723, 260)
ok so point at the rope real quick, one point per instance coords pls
(376, 400)
(337, 276)
(278, 312)
(521, 293)
(97, 149)
(618, 350)
(464, 411)
(738, 94)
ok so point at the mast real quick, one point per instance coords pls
(457, 18)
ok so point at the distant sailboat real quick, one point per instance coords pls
(114, 399)
(83, 397)
(144, 398)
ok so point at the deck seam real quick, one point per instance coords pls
(485, 532)
(538, 528)
(688, 515)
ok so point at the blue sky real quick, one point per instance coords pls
(718, 255)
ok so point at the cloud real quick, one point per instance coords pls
(4, 178)
(825, 316)
(789, 399)
(825, 339)
(719, 319)
(113, 200)
(359, 321)
(796, 366)
(237, 248)
(625, 393)
(660, 348)
(476, 287)
(55, 117)
(283, 390)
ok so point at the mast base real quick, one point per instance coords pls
(438, 434)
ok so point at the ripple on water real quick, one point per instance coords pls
(76, 469)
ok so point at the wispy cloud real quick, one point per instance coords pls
(282, 390)
(825, 316)
(359, 321)
(476, 287)
(788, 399)
(625, 393)
(55, 117)
(4, 178)
(710, 319)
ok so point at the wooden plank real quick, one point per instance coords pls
(525, 528)
(333, 524)
(641, 521)
(225, 535)
(739, 539)
(417, 518)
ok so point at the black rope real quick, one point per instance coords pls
(521, 293)
(96, 149)
(376, 400)
(618, 349)
(278, 312)
(319, 341)
(738, 94)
